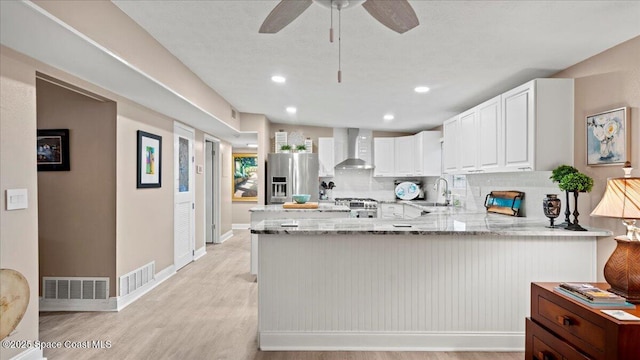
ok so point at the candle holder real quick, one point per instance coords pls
(575, 226)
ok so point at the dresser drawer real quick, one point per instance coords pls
(570, 325)
(542, 345)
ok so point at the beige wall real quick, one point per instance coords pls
(226, 217)
(77, 208)
(19, 228)
(144, 216)
(199, 184)
(606, 81)
(260, 124)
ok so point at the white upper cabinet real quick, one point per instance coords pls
(384, 156)
(450, 146)
(491, 140)
(427, 154)
(468, 136)
(527, 128)
(404, 153)
(326, 157)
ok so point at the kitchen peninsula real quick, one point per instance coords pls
(449, 280)
(273, 212)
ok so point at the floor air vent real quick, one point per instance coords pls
(76, 288)
(137, 278)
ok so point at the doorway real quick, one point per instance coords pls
(184, 195)
(212, 172)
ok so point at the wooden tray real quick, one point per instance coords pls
(504, 202)
(294, 205)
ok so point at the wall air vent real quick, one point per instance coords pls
(76, 288)
(137, 278)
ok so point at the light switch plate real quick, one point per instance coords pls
(199, 169)
(17, 199)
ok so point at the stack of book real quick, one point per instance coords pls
(593, 296)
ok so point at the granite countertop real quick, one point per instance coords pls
(322, 207)
(452, 222)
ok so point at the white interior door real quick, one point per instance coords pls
(184, 198)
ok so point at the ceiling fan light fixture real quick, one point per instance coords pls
(278, 79)
(421, 89)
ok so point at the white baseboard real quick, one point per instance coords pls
(386, 341)
(31, 354)
(200, 253)
(113, 303)
(240, 226)
(159, 278)
(226, 236)
(77, 304)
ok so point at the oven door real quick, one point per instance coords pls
(363, 213)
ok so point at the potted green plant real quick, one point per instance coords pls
(301, 148)
(286, 148)
(556, 175)
(576, 183)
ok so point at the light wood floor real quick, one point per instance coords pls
(208, 310)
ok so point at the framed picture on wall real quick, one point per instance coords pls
(53, 150)
(608, 137)
(149, 164)
(245, 177)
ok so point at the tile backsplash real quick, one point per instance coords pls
(468, 191)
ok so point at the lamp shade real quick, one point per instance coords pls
(621, 199)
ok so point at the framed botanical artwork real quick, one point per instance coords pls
(149, 164)
(245, 177)
(53, 150)
(608, 137)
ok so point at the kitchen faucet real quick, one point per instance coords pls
(446, 190)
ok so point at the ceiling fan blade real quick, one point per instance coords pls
(397, 15)
(283, 14)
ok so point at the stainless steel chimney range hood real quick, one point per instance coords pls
(354, 144)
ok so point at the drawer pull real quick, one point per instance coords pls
(543, 355)
(565, 320)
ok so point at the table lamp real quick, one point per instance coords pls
(621, 200)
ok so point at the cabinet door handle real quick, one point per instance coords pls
(565, 320)
(545, 355)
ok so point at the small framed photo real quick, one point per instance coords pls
(149, 160)
(53, 150)
(608, 137)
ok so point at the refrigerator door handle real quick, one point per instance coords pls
(294, 175)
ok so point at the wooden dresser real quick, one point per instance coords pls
(562, 328)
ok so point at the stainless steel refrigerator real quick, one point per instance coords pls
(289, 174)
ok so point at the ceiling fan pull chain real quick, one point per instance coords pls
(339, 45)
(331, 29)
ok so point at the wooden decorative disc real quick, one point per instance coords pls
(14, 299)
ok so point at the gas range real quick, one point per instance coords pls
(358, 203)
(360, 207)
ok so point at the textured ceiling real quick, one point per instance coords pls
(465, 51)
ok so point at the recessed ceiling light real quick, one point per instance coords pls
(388, 117)
(252, 145)
(291, 110)
(421, 89)
(278, 79)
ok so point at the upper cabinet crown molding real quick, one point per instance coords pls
(527, 128)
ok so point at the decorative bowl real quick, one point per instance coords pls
(300, 198)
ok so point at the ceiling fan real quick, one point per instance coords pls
(397, 15)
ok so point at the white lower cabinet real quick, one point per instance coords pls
(391, 211)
